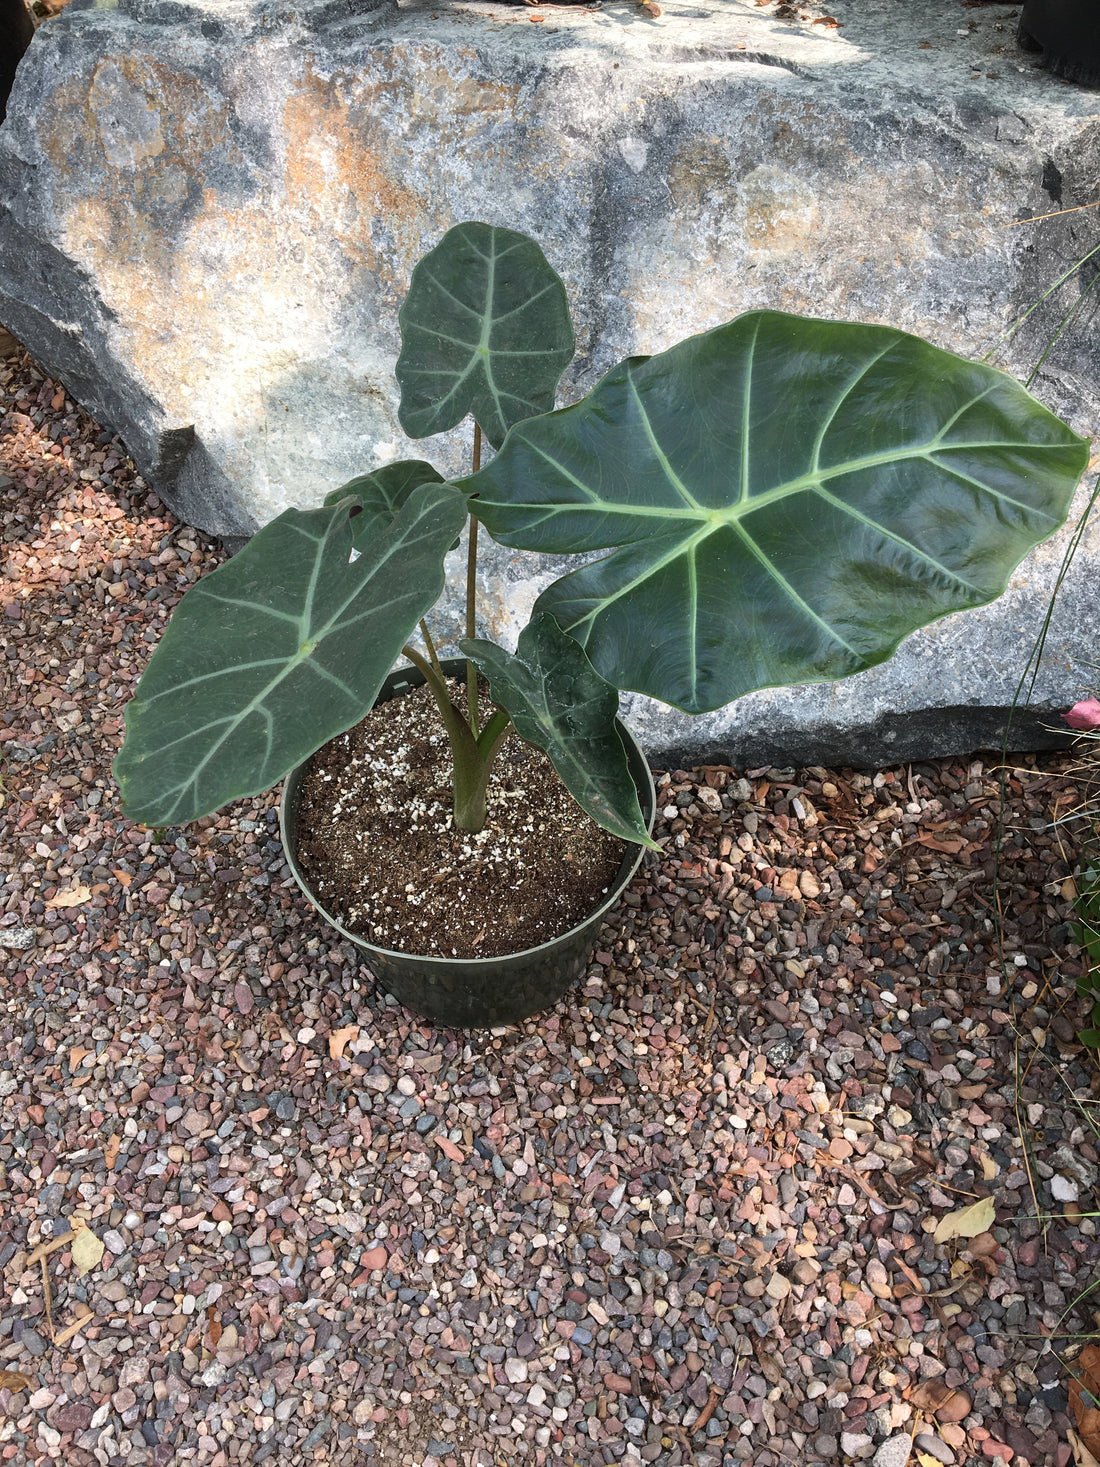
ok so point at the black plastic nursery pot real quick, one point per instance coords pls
(474, 993)
(1067, 32)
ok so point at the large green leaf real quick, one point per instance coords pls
(277, 651)
(559, 703)
(485, 329)
(790, 497)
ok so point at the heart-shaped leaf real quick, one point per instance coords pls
(485, 329)
(790, 497)
(559, 703)
(278, 651)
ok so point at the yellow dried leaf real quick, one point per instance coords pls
(77, 1056)
(926, 1461)
(1082, 1457)
(989, 1168)
(87, 1250)
(13, 1380)
(339, 1039)
(111, 1150)
(72, 896)
(968, 1222)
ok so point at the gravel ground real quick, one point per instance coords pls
(687, 1217)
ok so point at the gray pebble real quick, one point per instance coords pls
(895, 1451)
(33, 1342)
(926, 1442)
(17, 939)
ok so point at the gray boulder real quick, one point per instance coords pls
(209, 214)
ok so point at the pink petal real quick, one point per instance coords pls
(1084, 715)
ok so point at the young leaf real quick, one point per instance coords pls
(485, 329)
(278, 651)
(774, 527)
(559, 703)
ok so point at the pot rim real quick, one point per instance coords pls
(619, 884)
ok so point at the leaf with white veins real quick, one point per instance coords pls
(278, 651)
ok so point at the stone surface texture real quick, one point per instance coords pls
(209, 214)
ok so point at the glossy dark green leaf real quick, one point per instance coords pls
(485, 329)
(559, 703)
(380, 494)
(790, 499)
(276, 652)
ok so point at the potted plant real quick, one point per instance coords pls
(778, 500)
(1067, 32)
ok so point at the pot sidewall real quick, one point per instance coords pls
(478, 992)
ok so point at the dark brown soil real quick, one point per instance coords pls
(379, 848)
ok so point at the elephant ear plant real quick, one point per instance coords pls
(777, 500)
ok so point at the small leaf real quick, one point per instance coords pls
(559, 703)
(72, 896)
(14, 1380)
(87, 1250)
(1082, 1457)
(339, 1040)
(989, 1167)
(967, 1222)
(111, 1150)
(485, 329)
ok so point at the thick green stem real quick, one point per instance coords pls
(471, 596)
(471, 758)
(470, 805)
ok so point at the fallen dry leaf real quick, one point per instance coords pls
(77, 1056)
(13, 1380)
(124, 878)
(1082, 1457)
(87, 1250)
(449, 1149)
(989, 1167)
(111, 1150)
(72, 896)
(1084, 1391)
(968, 1222)
(339, 1040)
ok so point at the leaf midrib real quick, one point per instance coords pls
(811, 482)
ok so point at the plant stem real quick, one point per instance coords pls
(471, 594)
(432, 653)
(471, 757)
